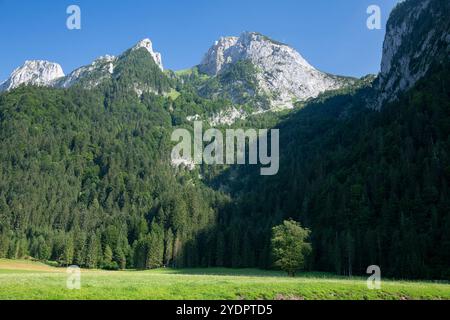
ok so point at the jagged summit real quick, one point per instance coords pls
(282, 73)
(252, 46)
(147, 44)
(33, 72)
(103, 67)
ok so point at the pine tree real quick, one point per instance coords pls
(92, 257)
(168, 253)
(155, 247)
(107, 257)
(220, 249)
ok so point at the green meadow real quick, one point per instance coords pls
(31, 280)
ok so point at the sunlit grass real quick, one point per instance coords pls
(194, 284)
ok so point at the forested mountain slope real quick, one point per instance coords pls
(372, 186)
(86, 176)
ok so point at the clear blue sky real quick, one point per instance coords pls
(331, 34)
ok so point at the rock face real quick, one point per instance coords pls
(147, 44)
(282, 72)
(218, 55)
(417, 35)
(92, 75)
(36, 72)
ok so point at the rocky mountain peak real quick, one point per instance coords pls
(148, 45)
(283, 74)
(33, 72)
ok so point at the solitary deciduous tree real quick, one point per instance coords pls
(289, 246)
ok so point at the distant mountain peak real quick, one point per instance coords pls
(229, 50)
(283, 74)
(33, 72)
(148, 45)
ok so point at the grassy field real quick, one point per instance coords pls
(31, 280)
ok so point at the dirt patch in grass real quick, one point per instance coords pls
(25, 265)
(288, 297)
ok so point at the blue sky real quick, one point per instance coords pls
(331, 34)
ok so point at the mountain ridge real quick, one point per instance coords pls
(46, 73)
(281, 76)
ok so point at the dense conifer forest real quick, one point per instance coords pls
(85, 179)
(86, 176)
